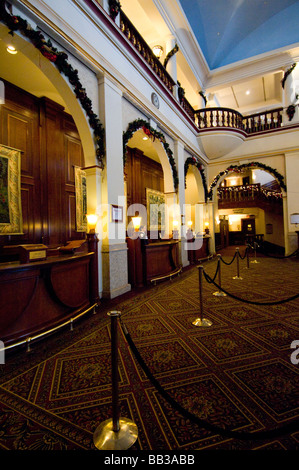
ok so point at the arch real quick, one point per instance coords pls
(166, 157)
(193, 161)
(252, 165)
(50, 55)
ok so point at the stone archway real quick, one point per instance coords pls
(53, 64)
(162, 148)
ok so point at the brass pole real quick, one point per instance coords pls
(201, 321)
(115, 433)
(238, 265)
(219, 293)
(114, 372)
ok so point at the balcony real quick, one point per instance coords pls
(252, 195)
(220, 130)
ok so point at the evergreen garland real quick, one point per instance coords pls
(195, 162)
(238, 169)
(59, 59)
(287, 73)
(170, 54)
(114, 8)
(201, 93)
(152, 133)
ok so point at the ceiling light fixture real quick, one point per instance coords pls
(248, 92)
(158, 51)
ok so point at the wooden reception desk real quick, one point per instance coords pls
(153, 261)
(38, 296)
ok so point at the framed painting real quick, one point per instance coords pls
(10, 191)
(116, 213)
(81, 200)
(155, 206)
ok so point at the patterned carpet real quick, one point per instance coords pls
(235, 374)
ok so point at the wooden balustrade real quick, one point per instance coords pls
(145, 51)
(263, 121)
(208, 118)
(247, 193)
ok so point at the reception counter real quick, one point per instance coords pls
(38, 296)
(152, 261)
(198, 249)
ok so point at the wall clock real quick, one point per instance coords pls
(155, 100)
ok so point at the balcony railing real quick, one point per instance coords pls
(207, 118)
(145, 51)
(252, 193)
(263, 121)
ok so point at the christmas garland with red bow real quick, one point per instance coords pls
(59, 59)
(240, 168)
(193, 161)
(153, 134)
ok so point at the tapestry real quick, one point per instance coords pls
(155, 204)
(10, 191)
(81, 200)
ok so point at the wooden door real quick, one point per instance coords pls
(224, 235)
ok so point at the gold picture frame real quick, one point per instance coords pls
(81, 200)
(155, 206)
(11, 222)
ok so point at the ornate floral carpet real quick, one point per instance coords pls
(235, 374)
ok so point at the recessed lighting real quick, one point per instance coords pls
(11, 49)
(248, 92)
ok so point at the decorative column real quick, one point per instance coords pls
(291, 201)
(179, 156)
(290, 109)
(93, 184)
(171, 65)
(113, 201)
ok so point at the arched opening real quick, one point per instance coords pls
(249, 208)
(42, 117)
(150, 188)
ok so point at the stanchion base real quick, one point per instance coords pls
(202, 322)
(219, 294)
(105, 438)
(237, 277)
(255, 261)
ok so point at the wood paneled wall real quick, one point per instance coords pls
(141, 173)
(51, 148)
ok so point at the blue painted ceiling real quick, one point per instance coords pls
(228, 31)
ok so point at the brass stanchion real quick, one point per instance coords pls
(255, 260)
(201, 321)
(115, 433)
(238, 265)
(219, 293)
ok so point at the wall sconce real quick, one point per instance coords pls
(207, 227)
(136, 223)
(11, 49)
(158, 51)
(190, 224)
(175, 224)
(92, 222)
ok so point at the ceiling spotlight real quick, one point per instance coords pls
(248, 92)
(11, 49)
(158, 51)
